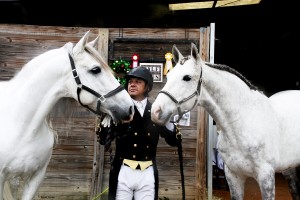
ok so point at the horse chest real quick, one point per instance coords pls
(24, 162)
(238, 157)
(27, 153)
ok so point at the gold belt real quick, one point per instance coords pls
(134, 164)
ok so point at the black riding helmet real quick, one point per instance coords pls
(142, 73)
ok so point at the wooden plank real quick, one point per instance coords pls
(154, 33)
(147, 50)
(97, 180)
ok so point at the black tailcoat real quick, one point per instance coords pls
(136, 140)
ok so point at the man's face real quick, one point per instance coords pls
(137, 88)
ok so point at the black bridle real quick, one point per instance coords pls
(80, 86)
(178, 103)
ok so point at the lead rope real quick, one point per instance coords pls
(107, 145)
(179, 137)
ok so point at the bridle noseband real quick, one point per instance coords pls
(178, 103)
(101, 98)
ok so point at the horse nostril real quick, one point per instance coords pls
(157, 113)
(131, 110)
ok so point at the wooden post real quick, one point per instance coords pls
(200, 172)
(98, 160)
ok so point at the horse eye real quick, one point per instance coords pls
(96, 70)
(187, 78)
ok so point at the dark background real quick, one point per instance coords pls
(260, 41)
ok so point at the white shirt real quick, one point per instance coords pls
(140, 105)
(141, 108)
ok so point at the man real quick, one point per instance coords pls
(133, 171)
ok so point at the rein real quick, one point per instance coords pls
(80, 87)
(178, 133)
(178, 103)
(179, 151)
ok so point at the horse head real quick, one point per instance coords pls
(181, 91)
(93, 84)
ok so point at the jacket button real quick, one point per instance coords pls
(146, 157)
(135, 133)
(135, 145)
(147, 146)
(148, 134)
(133, 156)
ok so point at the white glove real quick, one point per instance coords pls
(170, 126)
(106, 121)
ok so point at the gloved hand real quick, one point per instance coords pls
(170, 126)
(172, 135)
(105, 136)
(106, 121)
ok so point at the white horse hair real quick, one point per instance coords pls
(260, 135)
(26, 137)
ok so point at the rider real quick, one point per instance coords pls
(133, 171)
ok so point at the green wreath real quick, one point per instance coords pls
(121, 67)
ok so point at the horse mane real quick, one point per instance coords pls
(98, 56)
(233, 71)
(64, 111)
(93, 52)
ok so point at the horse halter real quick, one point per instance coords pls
(101, 98)
(178, 103)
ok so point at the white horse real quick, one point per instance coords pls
(260, 135)
(26, 138)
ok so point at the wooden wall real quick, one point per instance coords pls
(74, 172)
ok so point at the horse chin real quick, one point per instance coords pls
(127, 121)
(119, 116)
(158, 115)
(161, 119)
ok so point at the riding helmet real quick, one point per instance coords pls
(142, 73)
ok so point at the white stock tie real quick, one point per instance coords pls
(139, 106)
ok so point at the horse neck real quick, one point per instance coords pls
(223, 95)
(37, 87)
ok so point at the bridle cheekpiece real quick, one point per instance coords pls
(178, 103)
(80, 87)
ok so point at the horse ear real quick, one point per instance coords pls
(95, 43)
(79, 47)
(176, 54)
(194, 52)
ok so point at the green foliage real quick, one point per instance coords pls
(121, 67)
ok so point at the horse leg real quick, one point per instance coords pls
(292, 177)
(236, 184)
(266, 182)
(7, 194)
(2, 180)
(32, 185)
